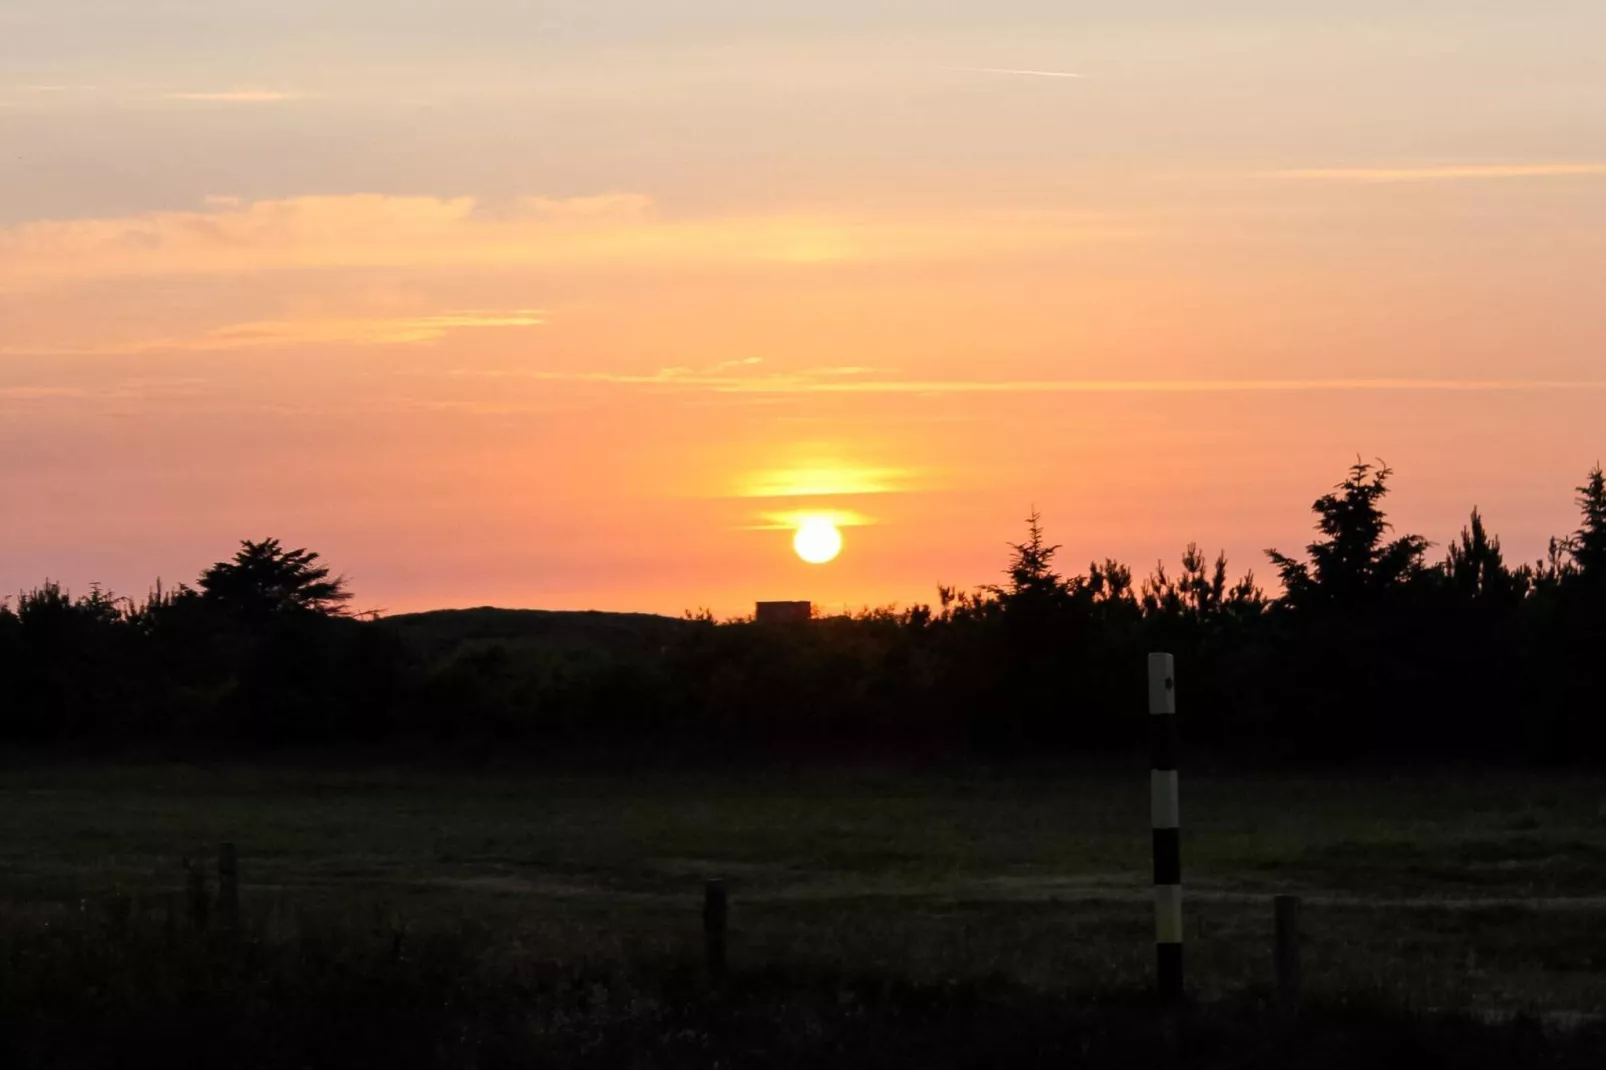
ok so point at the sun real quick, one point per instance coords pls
(817, 540)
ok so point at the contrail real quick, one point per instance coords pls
(1009, 70)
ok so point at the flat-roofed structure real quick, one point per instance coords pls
(783, 612)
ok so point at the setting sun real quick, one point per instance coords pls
(817, 541)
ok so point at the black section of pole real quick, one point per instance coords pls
(716, 918)
(1167, 857)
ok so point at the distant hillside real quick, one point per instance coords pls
(558, 630)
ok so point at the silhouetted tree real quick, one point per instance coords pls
(1368, 651)
(1352, 625)
(265, 578)
(1031, 567)
(1199, 594)
(1587, 547)
(74, 665)
(1354, 565)
(1110, 582)
(1476, 572)
(1565, 627)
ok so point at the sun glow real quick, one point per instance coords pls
(817, 540)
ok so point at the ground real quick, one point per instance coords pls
(1471, 891)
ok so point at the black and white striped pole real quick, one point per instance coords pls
(1166, 819)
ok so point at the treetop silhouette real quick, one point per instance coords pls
(1354, 566)
(264, 578)
(1367, 651)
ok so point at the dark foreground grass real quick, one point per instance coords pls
(1483, 893)
(121, 989)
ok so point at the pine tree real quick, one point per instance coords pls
(1476, 571)
(1031, 572)
(1588, 544)
(1355, 564)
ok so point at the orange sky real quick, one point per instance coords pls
(576, 305)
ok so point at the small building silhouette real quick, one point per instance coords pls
(783, 612)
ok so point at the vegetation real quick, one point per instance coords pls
(264, 579)
(448, 919)
(131, 993)
(898, 919)
(1369, 650)
(127, 992)
(1432, 890)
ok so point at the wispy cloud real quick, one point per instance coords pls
(1468, 172)
(232, 236)
(821, 381)
(101, 96)
(791, 519)
(31, 392)
(1019, 72)
(401, 330)
(234, 96)
(744, 362)
(351, 330)
(824, 480)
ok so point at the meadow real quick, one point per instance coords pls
(1478, 892)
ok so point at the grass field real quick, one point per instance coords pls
(1476, 892)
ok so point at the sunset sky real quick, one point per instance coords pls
(584, 303)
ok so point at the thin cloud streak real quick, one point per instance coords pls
(825, 481)
(231, 236)
(822, 382)
(1439, 174)
(234, 96)
(352, 331)
(360, 331)
(791, 519)
(54, 98)
(122, 390)
(1021, 73)
(30, 392)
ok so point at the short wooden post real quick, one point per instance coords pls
(716, 917)
(228, 885)
(1287, 951)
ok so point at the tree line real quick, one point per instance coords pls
(1370, 650)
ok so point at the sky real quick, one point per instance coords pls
(586, 303)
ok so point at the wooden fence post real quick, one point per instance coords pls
(716, 916)
(1286, 908)
(228, 885)
(1165, 818)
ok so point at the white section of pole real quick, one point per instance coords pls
(1162, 684)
